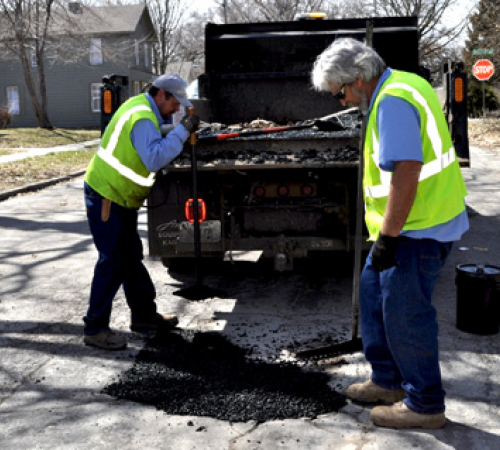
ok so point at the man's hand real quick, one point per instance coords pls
(191, 123)
(384, 252)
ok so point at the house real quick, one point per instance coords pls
(102, 41)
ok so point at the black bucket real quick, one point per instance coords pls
(478, 298)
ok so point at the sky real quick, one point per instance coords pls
(201, 5)
(457, 10)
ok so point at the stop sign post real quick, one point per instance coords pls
(483, 70)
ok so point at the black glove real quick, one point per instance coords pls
(191, 123)
(384, 252)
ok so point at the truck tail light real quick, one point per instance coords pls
(283, 190)
(189, 211)
(259, 191)
(307, 190)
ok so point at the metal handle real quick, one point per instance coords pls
(192, 136)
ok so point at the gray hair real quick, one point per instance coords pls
(343, 61)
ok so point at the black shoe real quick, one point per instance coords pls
(157, 322)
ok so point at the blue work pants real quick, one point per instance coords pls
(119, 264)
(399, 324)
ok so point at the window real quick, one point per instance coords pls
(95, 97)
(137, 55)
(13, 99)
(147, 55)
(95, 52)
(137, 87)
(33, 58)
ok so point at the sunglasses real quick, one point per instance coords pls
(340, 95)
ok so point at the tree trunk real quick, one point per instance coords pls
(39, 108)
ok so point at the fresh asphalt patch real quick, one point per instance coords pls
(203, 374)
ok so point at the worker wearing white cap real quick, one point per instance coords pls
(118, 180)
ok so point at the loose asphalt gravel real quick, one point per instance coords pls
(56, 393)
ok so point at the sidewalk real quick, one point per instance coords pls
(32, 152)
(22, 153)
(51, 385)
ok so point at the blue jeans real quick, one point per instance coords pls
(119, 264)
(399, 326)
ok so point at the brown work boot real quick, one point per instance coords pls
(156, 323)
(369, 392)
(106, 340)
(400, 416)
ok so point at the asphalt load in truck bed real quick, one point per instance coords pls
(255, 157)
(316, 145)
(203, 374)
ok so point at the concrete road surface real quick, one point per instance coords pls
(51, 384)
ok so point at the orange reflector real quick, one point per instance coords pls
(310, 16)
(107, 101)
(189, 211)
(318, 15)
(459, 90)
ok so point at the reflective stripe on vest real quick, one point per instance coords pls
(431, 168)
(106, 154)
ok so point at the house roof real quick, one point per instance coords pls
(100, 20)
(78, 19)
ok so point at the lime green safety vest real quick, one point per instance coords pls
(116, 170)
(441, 189)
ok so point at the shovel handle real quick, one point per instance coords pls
(192, 136)
(223, 137)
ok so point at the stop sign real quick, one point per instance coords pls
(483, 69)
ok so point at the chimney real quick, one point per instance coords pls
(75, 7)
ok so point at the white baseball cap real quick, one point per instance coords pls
(175, 85)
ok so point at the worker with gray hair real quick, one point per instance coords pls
(414, 210)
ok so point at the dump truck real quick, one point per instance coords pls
(285, 194)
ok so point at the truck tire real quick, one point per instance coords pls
(178, 264)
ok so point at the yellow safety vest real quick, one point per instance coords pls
(441, 188)
(116, 170)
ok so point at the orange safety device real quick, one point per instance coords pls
(107, 101)
(459, 90)
(189, 211)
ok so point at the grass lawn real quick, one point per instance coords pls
(11, 138)
(32, 170)
(39, 168)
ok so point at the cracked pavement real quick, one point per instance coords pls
(50, 383)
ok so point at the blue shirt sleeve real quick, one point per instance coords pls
(154, 150)
(399, 132)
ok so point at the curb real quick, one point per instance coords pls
(37, 186)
